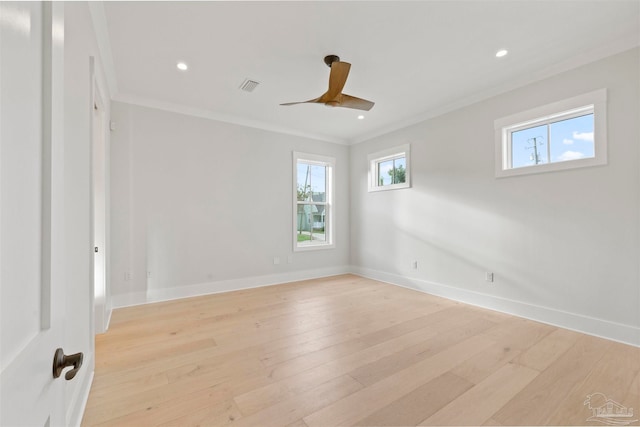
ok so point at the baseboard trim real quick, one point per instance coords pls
(109, 313)
(601, 328)
(167, 294)
(79, 402)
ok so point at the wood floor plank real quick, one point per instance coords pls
(186, 377)
(519, 333)
(380, 369)
(480, 402)
(361, 404)
(549, 349)
(368, 336)
(535, 404)
(221, 414)
(268, 395)
(491, 422)
(129, 336)
(200, 406)
(419, 404)
(100, 392)
(255, 400)
(298, 406)
(613, 375)
(222, 386)
(316, 358)
(486, 363)
(149, 353)
(225, 324)
(299, 294)
(141, 372)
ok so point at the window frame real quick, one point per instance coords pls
(329, 163)
(593, 102)
(374, 161)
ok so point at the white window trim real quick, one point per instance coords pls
(330, 162)
(567, 108)
(381, 156)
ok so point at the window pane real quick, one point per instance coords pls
(318, 183)
(572, 139)
(311, 221)
(399, 175)
(529, 147)
(303, 181)
(385, 173)
(318, 230)
(304, 223)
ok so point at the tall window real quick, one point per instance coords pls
(313, 208)
(562, 135)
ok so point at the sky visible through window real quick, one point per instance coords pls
(571, 139)
(313, 177)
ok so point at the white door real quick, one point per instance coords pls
(31, 212)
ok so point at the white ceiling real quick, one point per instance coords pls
(415, 59)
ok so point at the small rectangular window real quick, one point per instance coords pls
(313, 188)
(562, 135)
(389, 169)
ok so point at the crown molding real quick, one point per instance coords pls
(620, 45)
(227, 118)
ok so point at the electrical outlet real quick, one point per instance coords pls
(488, 277)
(414, 265)
(276, 260)
(127, 276)
(148, 274)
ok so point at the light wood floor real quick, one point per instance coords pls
(347, 351)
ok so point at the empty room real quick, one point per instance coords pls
(320, 213)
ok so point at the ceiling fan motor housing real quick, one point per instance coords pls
(330, 59)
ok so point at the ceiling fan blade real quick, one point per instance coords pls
(349, 101)
(317, 100)
(337, 79)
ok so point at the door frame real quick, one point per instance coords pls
(101, 306)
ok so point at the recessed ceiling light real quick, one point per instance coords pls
(501, 53)
(182, 66)
(360, 117)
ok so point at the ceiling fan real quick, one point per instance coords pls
(334, 97)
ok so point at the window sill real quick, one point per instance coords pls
(314, 247)
(389, 187)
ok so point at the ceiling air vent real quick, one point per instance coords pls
(248, 85)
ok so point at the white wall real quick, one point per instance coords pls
(205, 206)
(564, 246)
(80, 44)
